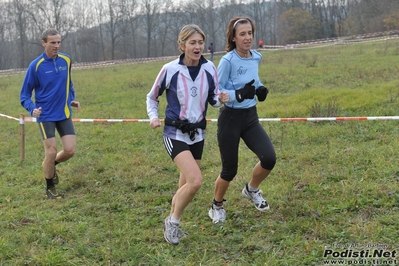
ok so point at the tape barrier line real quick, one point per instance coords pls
(315, 119)
(24, 119)
(292, 119)
(9, 117)
(97, 120)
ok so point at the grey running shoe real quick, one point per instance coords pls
(217, 214)
(172, 232)
(52, 193)
(256, 197)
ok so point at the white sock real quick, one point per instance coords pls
(252, 189)
(174, 220)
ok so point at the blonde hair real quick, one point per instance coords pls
(187, 31)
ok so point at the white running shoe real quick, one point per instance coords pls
(172, 232)
(217, 214)
(256, 197)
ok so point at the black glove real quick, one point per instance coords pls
(248, 92)
(189, 127)
(262, 92)
(181, 124)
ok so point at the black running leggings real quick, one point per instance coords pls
(234, 124)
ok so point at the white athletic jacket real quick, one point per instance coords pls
(188, 92)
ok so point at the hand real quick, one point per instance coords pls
(224, 97)
(76, 104)
(248, 92)
(262, 92)
(155, 123)
(37, 112)
(183, 125)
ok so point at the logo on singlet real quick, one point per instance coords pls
(194, 91)
(241, 71)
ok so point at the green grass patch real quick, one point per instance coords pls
(334, 182)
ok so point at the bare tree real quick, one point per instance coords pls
(340, 14)
(114, 25)
(208, 17)
(177, 18)
(226, 13)
(151, 21)
(129, 20)
(272, 16)
(18, 11)
(100, 11)
(95, 30)
(263, 18)
(53, 14)
(82, 42)
(166, 20)
(4, 21)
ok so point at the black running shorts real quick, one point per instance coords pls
(64, 127)
(174, 147)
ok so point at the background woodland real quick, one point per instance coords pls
(94, 30)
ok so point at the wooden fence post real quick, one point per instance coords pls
(22, 137)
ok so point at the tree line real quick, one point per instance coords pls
(96, 30)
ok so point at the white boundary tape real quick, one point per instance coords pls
(292, 119)
(24, 119)
(315, 119)
(9, 117)
(288, 119)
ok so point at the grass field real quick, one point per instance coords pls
(334, 184)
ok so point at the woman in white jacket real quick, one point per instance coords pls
(190, 82)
